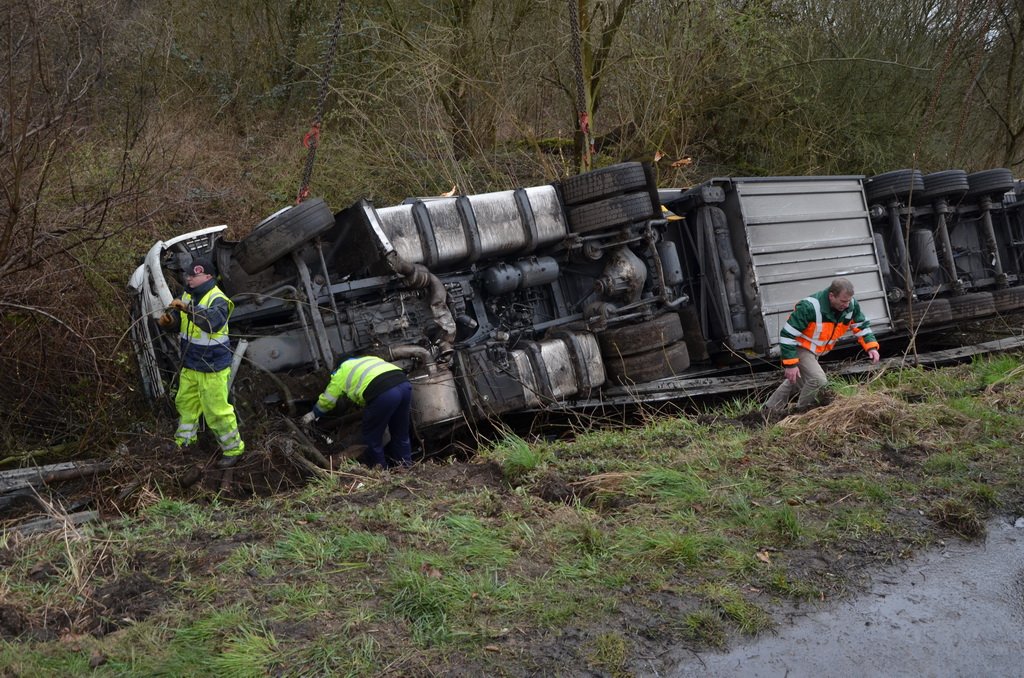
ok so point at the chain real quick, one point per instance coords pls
(312, 138)
(581, 99)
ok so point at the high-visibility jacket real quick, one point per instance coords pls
(352, 378)
(816, 326)
(204, 332)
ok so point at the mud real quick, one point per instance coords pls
(955, 611)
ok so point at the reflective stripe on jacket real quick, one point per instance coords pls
(209, 349)
(816, 326)
(351, 380)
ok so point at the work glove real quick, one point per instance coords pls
(165, 320)
(178, 305)
(308, 418)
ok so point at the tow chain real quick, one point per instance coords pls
(312, 138)
(587, 151)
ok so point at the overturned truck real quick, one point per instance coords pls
(600, 288)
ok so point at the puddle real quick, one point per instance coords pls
(957, 611)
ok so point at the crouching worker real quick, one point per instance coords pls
(386, 394)
(812, 330)
(201, 317)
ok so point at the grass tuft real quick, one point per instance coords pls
(705, 626)
(959, 517)
(609, 652)
(516, 457)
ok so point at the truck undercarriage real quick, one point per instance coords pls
(598, 289)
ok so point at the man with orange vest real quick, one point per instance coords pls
(201, 318)
(812, 330)
(385, 392)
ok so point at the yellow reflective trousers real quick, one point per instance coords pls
(206, 394)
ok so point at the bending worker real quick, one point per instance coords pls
(201, 316)
(385, 392)
(812, 330)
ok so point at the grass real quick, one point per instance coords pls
(680, 533)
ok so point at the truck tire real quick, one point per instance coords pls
(667, 361)
(603, 183)
(611, 212)
(974, 305)
(898, 185)
(926, 313)
(282, 233)
(1009, 299)
(950, 184)
(992, 183)
(646, 336)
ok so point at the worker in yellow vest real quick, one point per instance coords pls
(201, 318)
(385, 393)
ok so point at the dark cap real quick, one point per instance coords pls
(201, 264)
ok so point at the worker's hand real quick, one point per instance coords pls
(178, 305)
(308, 418)
(792, 373)
(165, 320)
(873, 354)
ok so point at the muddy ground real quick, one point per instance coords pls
(150, 464)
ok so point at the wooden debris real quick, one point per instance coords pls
(48, 524)
(22, 478)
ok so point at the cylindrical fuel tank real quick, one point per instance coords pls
(435, 399)
(567, 365)
(446, 233)
(923, 256)
(527, 377)
(669, 256)
(504, 278)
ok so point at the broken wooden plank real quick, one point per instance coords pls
(47, 524)
(22, 478)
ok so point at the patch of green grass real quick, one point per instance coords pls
(424, 601)
(979, 494)
(861, 488)
(989, 422)
(945, 463)
(301, 602)
(247, 651)
(705, 626)
(996, 369)
(777, 524)
(581, 568)
(332, 551)
(854, 523)
(749, 618)
(248, 559)
(669, 483)
(781, 583)
(399, 516)
(194, 648)
(331, 655)
(740, 563)
(959, 517)
(609, 652)
(472, 542)
(616, 443)
(672, 546)
(28, 659)
(516, 457)
(173, 517)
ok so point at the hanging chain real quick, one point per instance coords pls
(581, 97)
(312, 138)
